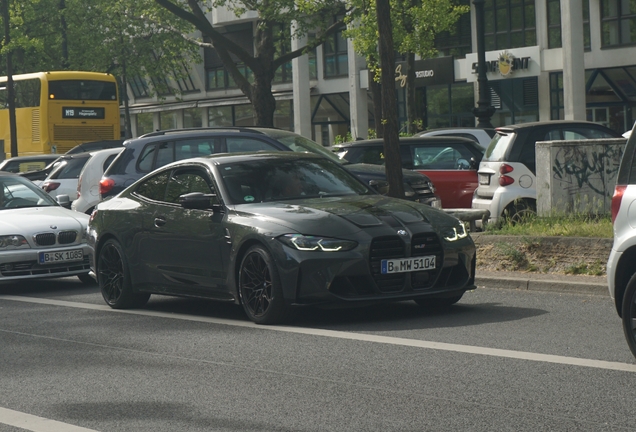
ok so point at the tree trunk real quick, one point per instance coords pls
(13, 145)
(411, 112)
(124, 92)
(263, 102)
(389, 103)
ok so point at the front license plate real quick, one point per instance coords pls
(66, 256)
(407, 264)
(484, 179)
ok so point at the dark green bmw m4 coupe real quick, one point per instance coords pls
(274, 231)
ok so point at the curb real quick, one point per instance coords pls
(542, 284)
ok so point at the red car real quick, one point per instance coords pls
(450, 162)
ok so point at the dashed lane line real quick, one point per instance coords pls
(362, 337)
(36, 424)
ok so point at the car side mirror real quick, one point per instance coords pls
(380, 186)
(463, 164)
(198, 201)
(64, 201)
(474, 164)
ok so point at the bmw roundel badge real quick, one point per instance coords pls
(402, 232)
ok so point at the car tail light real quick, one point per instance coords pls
(79, 186)
(105, 185)
(619, 190)
(505, 180)
(50, 186)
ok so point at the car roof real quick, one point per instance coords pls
(409, 140)
(222, 158)
(549, 123)
(458, 129)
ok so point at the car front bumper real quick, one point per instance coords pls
(25, 264)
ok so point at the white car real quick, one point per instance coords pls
(480, 136)
(38, 237)
(63, 179)
(88, 184)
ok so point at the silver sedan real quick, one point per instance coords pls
(38, 237)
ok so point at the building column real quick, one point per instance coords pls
(301, 89)
(573, 63)
(358, 100)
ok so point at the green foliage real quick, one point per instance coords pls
(593, 269)
(339, 139)
(565, 226)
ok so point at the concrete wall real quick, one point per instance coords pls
(577, 176)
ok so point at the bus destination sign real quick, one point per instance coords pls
(91, 113)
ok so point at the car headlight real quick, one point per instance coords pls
(456, 233)
(408, 190)
(315, 243)
(13, 242)
(431, 186)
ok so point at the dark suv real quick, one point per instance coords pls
(151, 151)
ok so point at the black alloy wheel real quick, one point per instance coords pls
(260, 288)
(629, 314)
(114, 278)
(520, 211)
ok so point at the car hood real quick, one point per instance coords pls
(343, 216)
(377, 172)
(31, 220)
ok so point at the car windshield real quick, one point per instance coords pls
(301, 144)
(17, 192)
(273, 179)
(498, 146)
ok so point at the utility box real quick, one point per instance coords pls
(577, 177)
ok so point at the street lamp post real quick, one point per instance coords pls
(483, 111)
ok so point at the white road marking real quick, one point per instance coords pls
(36, 424)
(416, 343)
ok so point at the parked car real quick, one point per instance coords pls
(507, 173)
(26, 163)
(621, 273)
(450, 162)
(64, 177)
(95, 145)
(225, 227)
(153, 150)
(480, 136)
(91, 174)
(37, 176)
(38, 237)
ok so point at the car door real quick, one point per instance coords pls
(186, 248)
(448, 166)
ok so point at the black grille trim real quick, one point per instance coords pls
(426, 244)
(32, 268)
(386, 248)
(45, 239)
(66, 237)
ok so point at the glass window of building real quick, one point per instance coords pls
(184, 80)
(139, 87)
(457, 42)
(192, 118)
(220, 116)
(244, 115)
(334, 52)
(618, 22)
(509, 24)
(516, 101)
(554, 24)
(284, 115)
(556, 96)
(144, 123)
(167, 120)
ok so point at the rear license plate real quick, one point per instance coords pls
(407, 264)
(66, 256)
(484, 179)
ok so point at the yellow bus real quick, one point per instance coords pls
(55, 111)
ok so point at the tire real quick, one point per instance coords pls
(260, 288)
(439, 302)
(86, 279)
(629, 314)
(520, 212)
(113, 277)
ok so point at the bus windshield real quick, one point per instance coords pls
(82, 90)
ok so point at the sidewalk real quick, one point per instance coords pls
(576, 284)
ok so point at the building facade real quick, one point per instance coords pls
(545, 60)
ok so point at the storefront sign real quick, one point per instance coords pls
(428, 72)
(517, 63)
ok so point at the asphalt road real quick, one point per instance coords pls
(500, 360)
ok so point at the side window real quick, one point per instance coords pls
(190, 148)
(593, 133)
(187, 180)
(154, 188)
(372, 155)
(434, 157)
(165, 154)
(146, 158)
(237, 145)
(108, 161)
(574, 135)
(553, 135)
